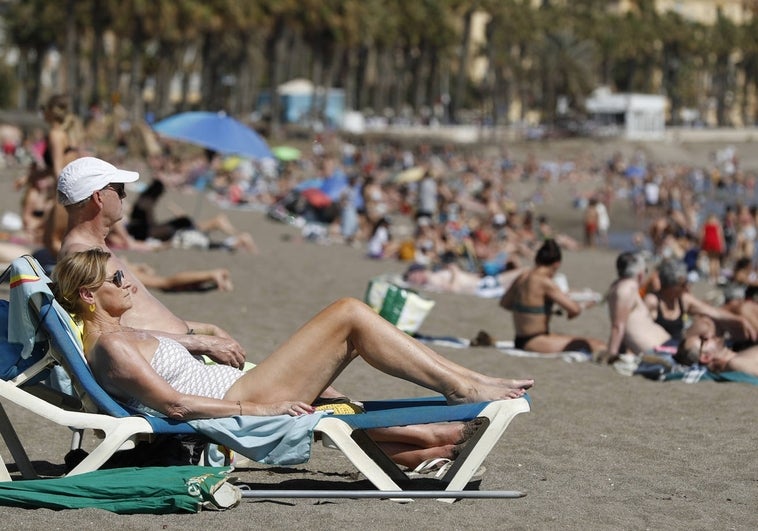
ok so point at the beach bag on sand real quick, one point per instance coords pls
(402, 307)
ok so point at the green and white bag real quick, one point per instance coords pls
(402, 307)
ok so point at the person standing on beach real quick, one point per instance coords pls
(591, 218)
(713, 244)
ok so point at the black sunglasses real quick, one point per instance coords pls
(117, 279)
(118, 188)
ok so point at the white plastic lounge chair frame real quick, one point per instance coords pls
(123, 428)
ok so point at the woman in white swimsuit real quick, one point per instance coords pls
(153, 370)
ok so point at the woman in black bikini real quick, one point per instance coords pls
(673, 305)
(531, 298)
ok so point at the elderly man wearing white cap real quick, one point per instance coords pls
(92, 191)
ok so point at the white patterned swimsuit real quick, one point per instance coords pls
(189, 374)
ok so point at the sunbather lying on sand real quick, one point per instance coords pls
(453, 279)
(714, 354)
(190, 280)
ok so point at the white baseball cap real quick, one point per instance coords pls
(85, 176)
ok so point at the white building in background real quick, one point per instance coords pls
(634, 116)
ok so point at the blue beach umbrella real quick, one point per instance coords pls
(215, 131)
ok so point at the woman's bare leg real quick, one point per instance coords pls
(554, 343)
(187, 279)
(411, 456)
(320, 350)
(411, 445)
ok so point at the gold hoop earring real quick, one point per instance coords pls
(91, 308)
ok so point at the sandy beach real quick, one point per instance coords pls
(598, 450)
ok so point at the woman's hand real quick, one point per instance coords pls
(293, 409)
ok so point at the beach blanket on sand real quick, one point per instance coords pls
(662, 367)
(505, 347)
(700, 374)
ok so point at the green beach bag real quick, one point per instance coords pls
(402, 307)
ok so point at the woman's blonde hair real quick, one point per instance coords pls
(85, 269)
(57, 107)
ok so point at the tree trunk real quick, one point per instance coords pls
(461, 76)
(351, 78)
(134, 96)
(95, 95)
(275, 49)
(71, 83)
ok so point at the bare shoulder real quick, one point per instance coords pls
(123, 342)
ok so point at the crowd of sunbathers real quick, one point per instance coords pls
(469, 231)
(465, 219)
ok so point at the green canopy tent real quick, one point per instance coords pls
(151, 490)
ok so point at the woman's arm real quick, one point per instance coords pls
(129, 374)
(555, 294)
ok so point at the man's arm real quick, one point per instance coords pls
(620, 305)
(221, 348)
(736, 324)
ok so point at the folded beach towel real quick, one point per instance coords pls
(277, 440)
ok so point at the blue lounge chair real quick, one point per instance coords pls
(97, 410)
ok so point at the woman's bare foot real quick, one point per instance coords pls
(526, 383)
(486, 392)
(222, 279)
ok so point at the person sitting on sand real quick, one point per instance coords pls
(531, 298)
(673, 303)
(452, 279)
(714, 354)
(151, 371)
(632, 327)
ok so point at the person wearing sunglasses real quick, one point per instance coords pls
(92, 192)
(152, 372)
(712, 352)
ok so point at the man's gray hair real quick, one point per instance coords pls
(630, 264)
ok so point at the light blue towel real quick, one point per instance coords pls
(277, 440)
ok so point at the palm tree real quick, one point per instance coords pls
(32, 26)
(723, 42)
